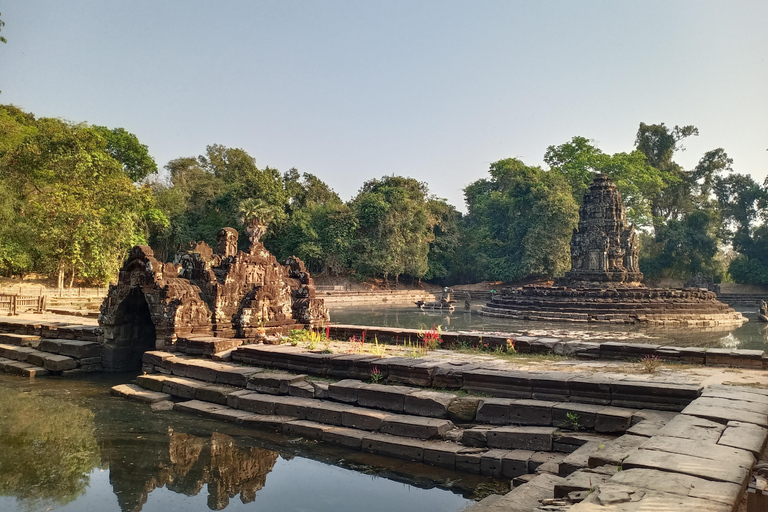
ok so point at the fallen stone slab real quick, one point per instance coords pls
(614, 452)
(714, 452)
(138, 394)
(735, 393)
(723, 471)
(577, 460)
(676, 483)
(610, 497)
(744, 436)
(716, 411)
(581, 480)
(463, 409)
(646, 428)
(521, 438)
(238, 376)
(152, 382)
(691, 427)
(301, 389)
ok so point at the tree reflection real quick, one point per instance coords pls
(47, 449)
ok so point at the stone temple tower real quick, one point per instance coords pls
(604, 248)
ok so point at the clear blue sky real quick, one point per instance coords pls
(436, 90)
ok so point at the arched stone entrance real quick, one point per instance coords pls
(133, 334)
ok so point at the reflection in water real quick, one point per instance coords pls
(47, 449)
(185, 464)
(58, 439)
(750, 335)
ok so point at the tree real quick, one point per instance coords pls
(126, 149)
(394, 228)
(579, 160)
(521, 220)
(71, 198)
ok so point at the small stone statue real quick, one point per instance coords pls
(762, 314)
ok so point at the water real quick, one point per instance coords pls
(750, 335)
(67, 445)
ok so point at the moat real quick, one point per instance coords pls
(68, 445)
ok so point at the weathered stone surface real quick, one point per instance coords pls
(676, 483)
(379, 396)
(494, 411)
(306, 429)
(441, 454)
(428, 403)
(163, 405)
(347, 437)
(539, 459)
(398, 447)
(256, 403)
(530, 412)
(612, 420)
(266, 421)
(57, 363)
(224, 293)
(578, 459)
(151, 382)
(139, 394)
(714, 452)
(734, 393)
(582, 480)
(521, 438)
(524, 498)
(744, 436)
(198, 407)
(723, 471)
(491, 463)
(213, 393)
(415, 426)
(292, 406)
(329, 413)
(613, 452)
(301, 389)
(570, 415)
(80, 349)
(273, 383)
(646, 428)
(363, 419)
(691, 427)
(611, 497)
(468, 460)
(235, 375)
(463, 409)
(723, 411)
(515, 462)
(345, 390)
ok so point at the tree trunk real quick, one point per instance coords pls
(61, 278)
(72, 277)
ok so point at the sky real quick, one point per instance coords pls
(356, 90)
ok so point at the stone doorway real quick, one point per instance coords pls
(134, 334)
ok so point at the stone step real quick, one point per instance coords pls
(21, 368)
(73, 348)
(21, 340)
(447, 454)
(207, 345)
(403, 399)
(321, 411)
(138, 393)
(51, 362)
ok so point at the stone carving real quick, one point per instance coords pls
(604, 283)
(604, 248)
(229, 293)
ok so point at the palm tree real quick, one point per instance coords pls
(255, 215)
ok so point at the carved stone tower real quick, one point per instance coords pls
(604, 248)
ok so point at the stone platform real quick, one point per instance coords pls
(619, 305)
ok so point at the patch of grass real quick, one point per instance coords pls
(650, 363)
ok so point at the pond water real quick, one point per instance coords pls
(750, 335)
(68, 445)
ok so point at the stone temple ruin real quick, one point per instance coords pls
(226, 293)
(605, 282)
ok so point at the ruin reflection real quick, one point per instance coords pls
(184, 464)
